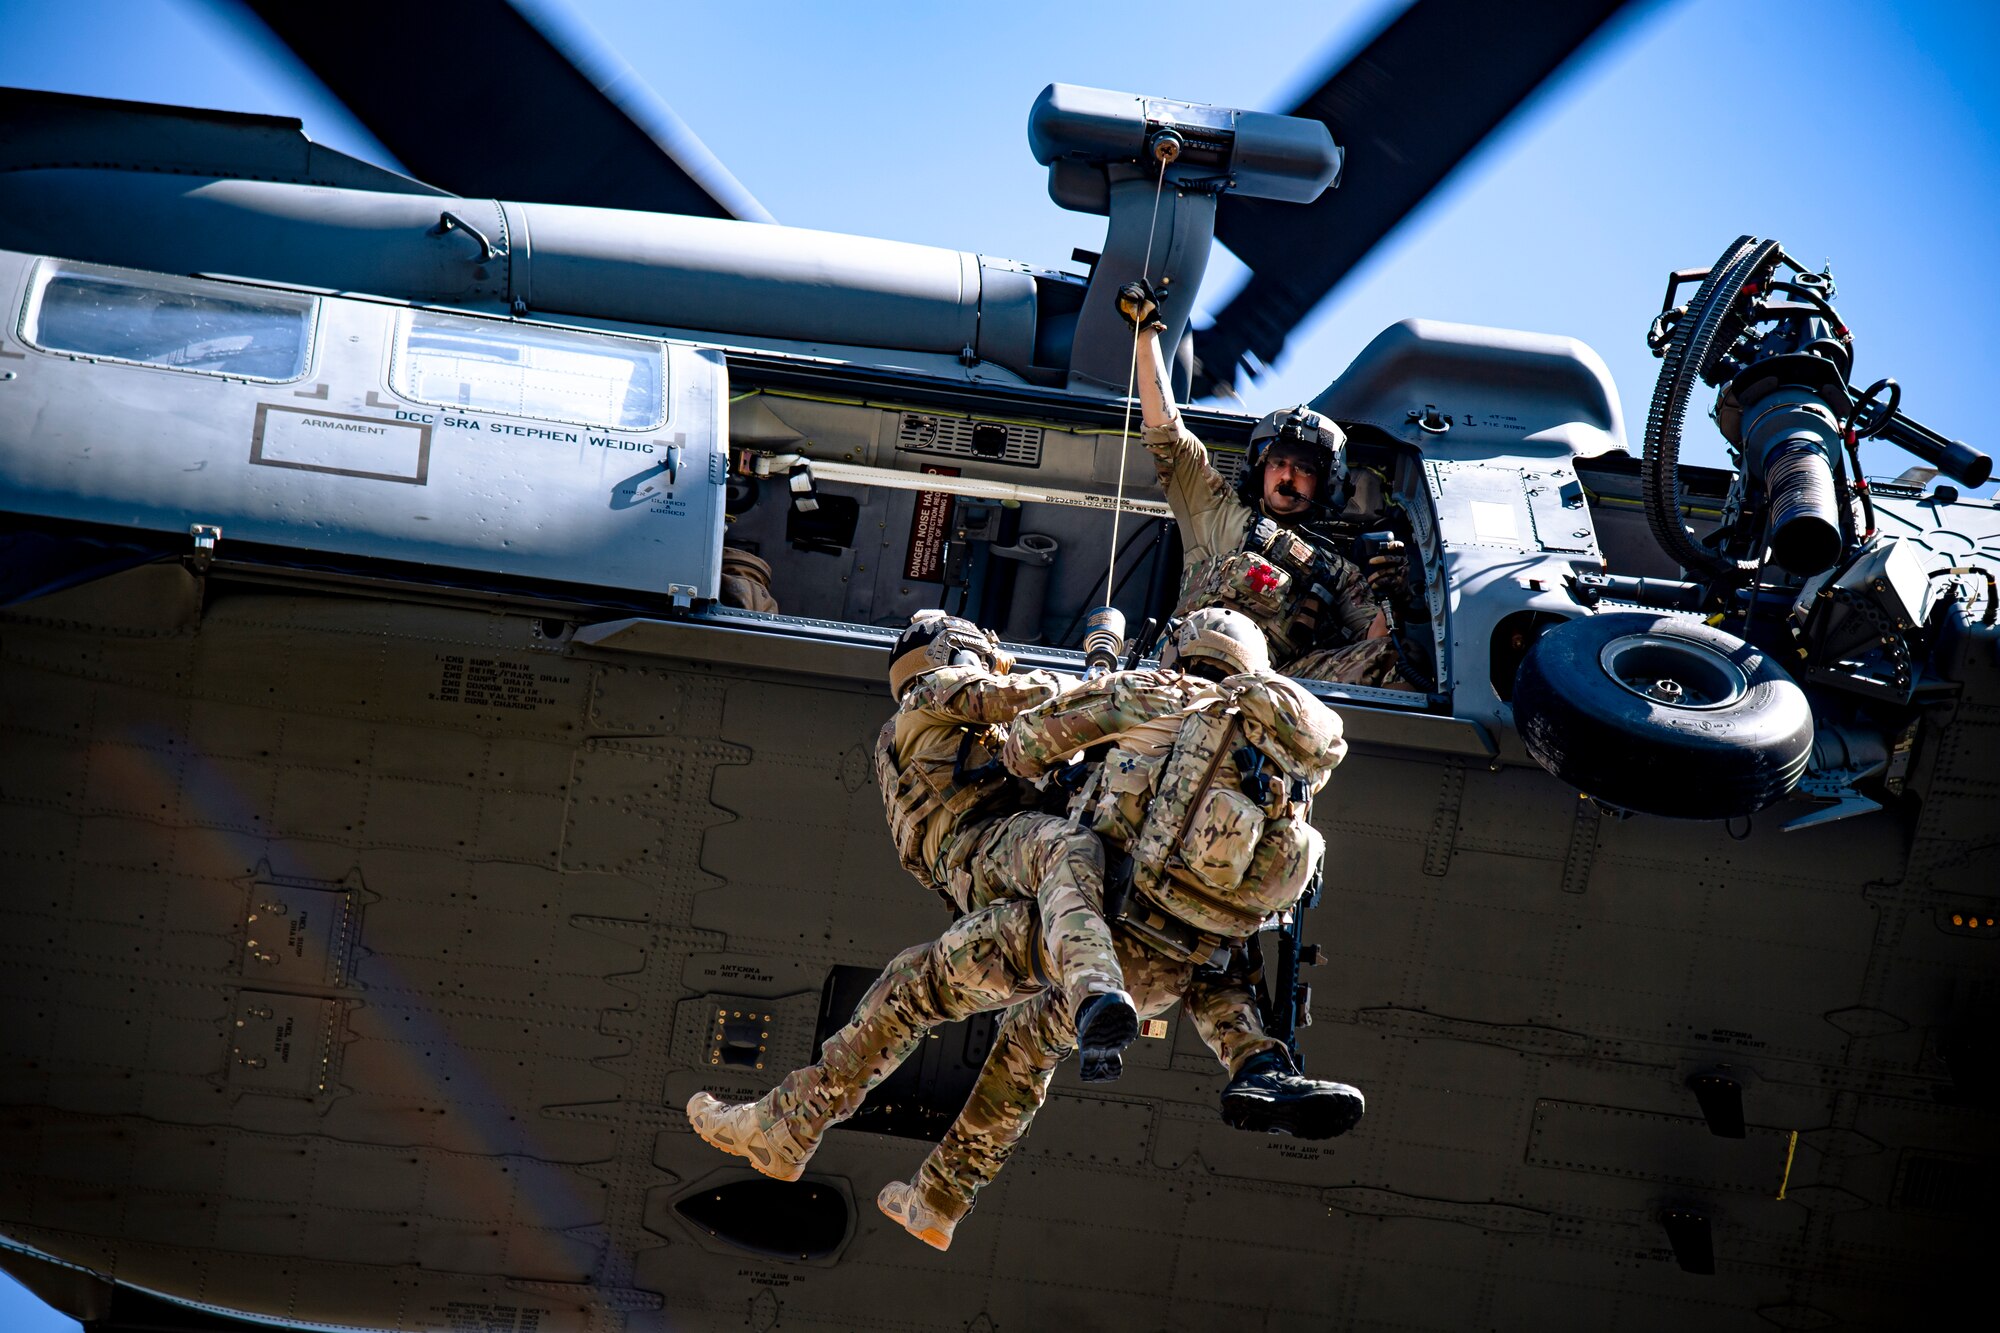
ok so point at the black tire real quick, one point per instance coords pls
(1663, 716)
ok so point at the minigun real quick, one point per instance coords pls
(1764, 331)
(1854, 608)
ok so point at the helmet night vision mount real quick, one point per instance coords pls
(935, 640)
(1323, 442)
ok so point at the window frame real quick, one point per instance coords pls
(400, 362)
(48, 268)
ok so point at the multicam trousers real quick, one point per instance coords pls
(1363, 662)
(1060, 868)
(1035, 1037)
(988, 960)
(984, 961)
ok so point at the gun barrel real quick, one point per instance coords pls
(1955, 458)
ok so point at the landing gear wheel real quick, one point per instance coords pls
(1662, 716)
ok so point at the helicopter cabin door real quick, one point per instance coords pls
(276, 424)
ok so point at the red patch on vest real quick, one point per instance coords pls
(1261, 577)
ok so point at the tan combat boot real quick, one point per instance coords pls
(902, 1201)
(775, 1144)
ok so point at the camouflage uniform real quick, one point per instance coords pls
(1217, 570)
(993, 956)
(1035, 1037)
(985, 857)
(968, 840)
(985, 960)
(1146, 711)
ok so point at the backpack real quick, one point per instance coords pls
(1220, 834)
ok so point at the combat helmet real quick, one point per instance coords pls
(935, 640)
(1303, 427)
(1216, 641)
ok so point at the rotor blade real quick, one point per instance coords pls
(507, 104)
(1414, 103)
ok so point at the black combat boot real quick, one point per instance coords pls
(1106, 1023)
(1268, 1094)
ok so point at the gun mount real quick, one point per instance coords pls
(1797, 583)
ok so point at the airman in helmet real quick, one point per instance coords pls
(1216, 643)
(997, 868)
(1253, 546)
(1203, 872)
(958, 825)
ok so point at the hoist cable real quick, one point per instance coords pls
(1131, 384)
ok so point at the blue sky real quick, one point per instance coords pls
(1859, 131)
(20, 1312)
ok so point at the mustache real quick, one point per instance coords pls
(1291, 492)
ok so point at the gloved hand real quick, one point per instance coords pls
(1139, 303)
(1388, 571)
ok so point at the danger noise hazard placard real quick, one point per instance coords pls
(930, 529)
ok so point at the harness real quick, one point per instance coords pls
(913, 796)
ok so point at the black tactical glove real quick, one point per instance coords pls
(1388, 571)
(1139, 305)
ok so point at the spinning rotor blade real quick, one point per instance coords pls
(1408, 109)
(478, 98)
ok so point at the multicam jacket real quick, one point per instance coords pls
(1220, 569)
(1208, 787)
(917, 753)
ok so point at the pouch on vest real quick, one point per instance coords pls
(1206, 850)
(1222, 837)
(1123, 790)
(1244, 581)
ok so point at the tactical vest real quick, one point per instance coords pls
(1217, 822)
(1280, 580)
(928, 790)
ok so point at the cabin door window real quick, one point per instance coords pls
(517, 370)
(149, 319)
